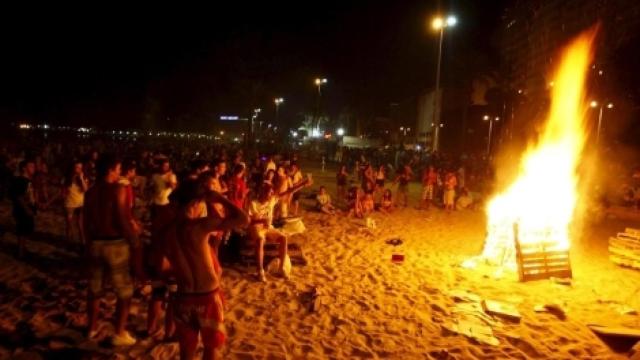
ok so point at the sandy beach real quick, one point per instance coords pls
(366, 306)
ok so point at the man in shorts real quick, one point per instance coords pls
(198, 308)
(110, 236)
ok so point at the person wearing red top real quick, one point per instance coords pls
(238, 190)
(429, 180)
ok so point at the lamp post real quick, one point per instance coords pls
(595, 104)
(439, 24)
(490, 120)
(319, 82)
(278, 101)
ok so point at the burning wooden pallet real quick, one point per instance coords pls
(541, 261)
(624, 249)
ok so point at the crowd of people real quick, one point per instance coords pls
(443, 187)
(141, 222)
(158, 215)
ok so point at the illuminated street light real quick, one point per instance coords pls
(319, 82)
(491, 121)
(340, 132)
(278, 101)
(594, 104)
(439, 23)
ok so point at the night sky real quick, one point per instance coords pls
(111, 67)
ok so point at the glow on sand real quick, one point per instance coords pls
(543, 198)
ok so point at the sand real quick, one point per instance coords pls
(366, 307)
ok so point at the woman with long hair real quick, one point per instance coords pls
(75, 185)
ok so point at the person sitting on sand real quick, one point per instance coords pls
(324, 202)
(464, 200)
(386, 203)
(261, 227)
(355, 202)
(198, 307)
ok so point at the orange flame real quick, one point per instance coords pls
(543, 198)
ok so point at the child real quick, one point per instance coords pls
(324, 202)
(450, 184)
(355, 205)
(386, 203)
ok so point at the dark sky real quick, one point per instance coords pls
(111, 67)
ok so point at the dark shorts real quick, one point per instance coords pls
(380, 183)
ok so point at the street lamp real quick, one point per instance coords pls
(278, 101)
(594, 104)
(340, 132)
(319, 82)
(439, 23)
(491, 120)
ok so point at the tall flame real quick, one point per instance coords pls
(543, 198)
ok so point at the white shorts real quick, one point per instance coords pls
(449, 197)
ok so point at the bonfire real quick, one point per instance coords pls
(536, 210)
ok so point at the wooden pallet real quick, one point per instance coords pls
(536, 262)
(624, 249)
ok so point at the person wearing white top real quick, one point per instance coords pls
(74, 188)
(261, 227)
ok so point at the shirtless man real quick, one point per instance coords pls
(110, 235)
(198, 307)
(261, 228)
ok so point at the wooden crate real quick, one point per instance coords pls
(624, 249)
(540, 261)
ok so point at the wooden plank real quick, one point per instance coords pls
(623, 332)
(549, 254)
(624, 252)
(540, 276)
(544, 269)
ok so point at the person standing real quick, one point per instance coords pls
(75, 186)
(110, 238)
(238, 189)
(163, 182)
(429, 180)
(403, 178)
(450, 184)
(296, 178)
(198, 307)
(24, 204)
(342, 178)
